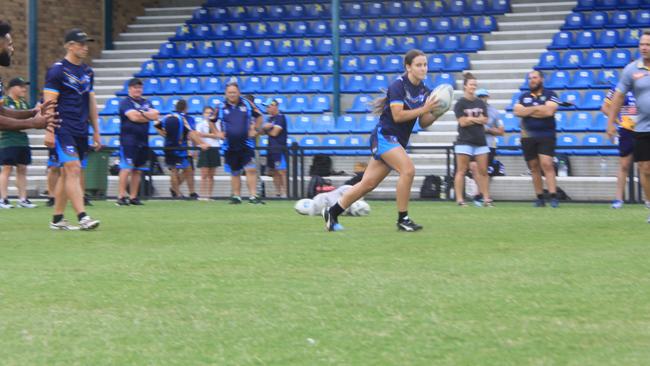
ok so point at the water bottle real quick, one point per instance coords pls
(443, 188)
(562, 169)
(603, 166)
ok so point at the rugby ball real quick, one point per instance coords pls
(359, 208)
(444, 93)
(305, 206)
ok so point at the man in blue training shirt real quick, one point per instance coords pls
(178, 127)
(69, 82)
(236, 117)
(276, 129)
(135, 114)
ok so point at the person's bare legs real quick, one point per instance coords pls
(374, 174)
(625, 162)
(462, 164)
(4, 181)
(123, 182)
(481, 177)
(134, 186)
(251, 181)
(546, 163)
(536, 174)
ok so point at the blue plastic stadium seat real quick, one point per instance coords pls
(222, 31)
(245, 48)
(170, 86)
(548, 60)
(437, 62)
(230, 66)
(511, 122)
(590, 140)
(606, 4)
(429, 44)
(327, 65)
(251, 85)
(294, 84)
(149, 68)
(404, 44)
(477, 6)
(642, 18)
(319, 103)
(358, 27)
(195, 105)
(435, 8)
(206, 49)
(630, 38)
(394, 8)
(268, 65)
(273, 84)
(366, 45)
(316, 84)
(629, 4)
(457, 62)
(584, 39)
(192, 85)
(358, 142)
(310, 141)
(595, 59)
(371, 64)
(472, 43)
(415, 8)
(393, 64)
(151, 86)
(297, 104)
(111, 107)
(513, 140)
(201, 15)
(350, 64)
(486, 24)
(387, 45)
(248, 65)
(360, 104)
(561, 119)
(344, 28)
(561, 40)
(157, 141)
(353, 84)
(256, 12)
(310, 65)
(464, 25)
(565, 142)
(558, 80)
(377, 83)
(348, 45)
(320, 28)
(444, 78)
(186, 50)
(202, 31)
(316, 10)
(500, 7)
(582, 79)
(296, 11)
(450, 43)
(352, 10)
(584, 5)
(442, 25)
(289, 65)
(325, 124)
(574, 21)
(169, 68)
(189, 67)
(212, 85)
(285, 47)
(422, 25)
(366, 123)
(620, 19)
(607, 39)
(572, 97)
(277, 11)
(305, 46)
(456, 7)
(183, 32)
(599, 124)
(580, 122)
(324, 46)
(265, 48)
(225, 48)
(618, 59)
(593, 100)
(280, 29)
(400, 26)
(606, 78)
(110, 126)
(597, 19)
(240, 30)
(214, 101)
(346, 123)
(514, 100)
(157, 103)
(261, 29)
(301, 124)
(237, 13)
(571, 60)
(332, 142)
(299, 29)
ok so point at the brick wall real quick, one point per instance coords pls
(54, 18)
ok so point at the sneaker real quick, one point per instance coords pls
(86, 223)
(50, 202)
(540, 202)
(62, 225)
(555, 203)
(330, 223)
(87, 201)
(136, 202)
(5, 204)
(26, 203)
(235, 200)
(408, 225)
(173, 193)
(122, 202)
(461, 204)
(488, 203)
(478, 202)
(194, 196)
(256, 201)
(616, 204)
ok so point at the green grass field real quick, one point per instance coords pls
(198, 283)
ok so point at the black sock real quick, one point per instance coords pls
(553, 196)
(540, 196)
(81, 215)
(336, 210)
(401, 215)
(57, 218)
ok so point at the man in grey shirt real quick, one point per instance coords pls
(636, 78)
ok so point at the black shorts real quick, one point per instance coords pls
(625, 142)
(642, 146)
(134, 157)
(177, 159)
(276, 161)
(210, 158)
(237, 161)
(533, 146)
(16, 155)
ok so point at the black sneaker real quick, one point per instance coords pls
(122, 202)
(87, 201)
(256, 201)
(540, 202)
(50, 202)
(194, 196)
(235, 200)
(331, 224)
(173, 193)
(408, 225)
(136, 202)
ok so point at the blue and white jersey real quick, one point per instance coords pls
(73, 85)
(236, 121)
(402, 92)
(133, 133)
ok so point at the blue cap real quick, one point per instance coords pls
(482, 93)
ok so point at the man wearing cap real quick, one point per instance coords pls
(494, 127)
(135, 114)
(14, 148)
(276, 129)
(69, 82)
(16, 120)
(635, 78)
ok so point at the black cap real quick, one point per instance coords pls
(18, 82)
(134, 82)
(77, 35)
(270, 102)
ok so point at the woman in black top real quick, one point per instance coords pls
(471, 113)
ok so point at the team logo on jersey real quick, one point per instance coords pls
(413, 101)
(242, 108)
(528, 100)
(226, 111)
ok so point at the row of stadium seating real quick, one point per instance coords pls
(292, 65)
(566, 144)
(586, 5)
(320, 28)
(590, 39)
(366, 45)
(581, 79)
(578, 122)
(601, 19)
(594, 59)
(592, 100)
(216, 12)
(276, 84)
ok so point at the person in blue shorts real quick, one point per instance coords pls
(276, 129)
(178, 129)
(69, 82)
(135, 115)
(404, 105)
(238, 119)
